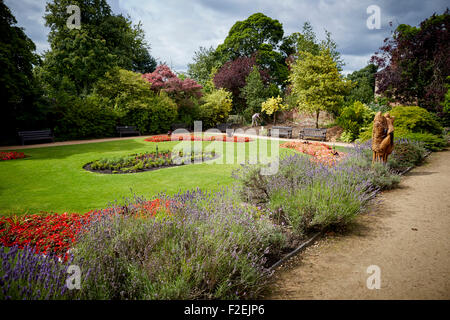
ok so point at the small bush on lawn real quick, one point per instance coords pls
(203, 247)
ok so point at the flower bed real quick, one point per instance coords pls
(11, 155)
(192, 137)
(147, 161)
(320, 152)
(55, 232)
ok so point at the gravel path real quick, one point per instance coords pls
(406, 234)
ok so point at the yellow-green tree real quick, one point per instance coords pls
(272, 105)
(317, 84)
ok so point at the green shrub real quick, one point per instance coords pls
(216, 107)
(413, 123)
(406, 153)
(86, 117)
(130, 95)
(415, 119)
(208, 247)
(150, 115)
(354, 117)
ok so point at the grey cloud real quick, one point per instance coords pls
(175, 29)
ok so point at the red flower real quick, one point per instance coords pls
(57, 232)
(11, 155)
(192, 137)
(320, 152)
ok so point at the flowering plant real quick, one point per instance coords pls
(11, 155)
(53, 232)
(192, 137)
(320, 152)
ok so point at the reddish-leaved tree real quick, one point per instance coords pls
(180, 90)
(232, 76)
(416, 63)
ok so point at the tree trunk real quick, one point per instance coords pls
(317, 119)
(274, 117)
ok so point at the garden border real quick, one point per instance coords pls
(312, 239)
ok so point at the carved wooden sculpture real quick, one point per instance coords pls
(382, 137)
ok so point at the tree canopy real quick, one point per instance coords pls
(317, 84)
(415, 63)
(18, 88)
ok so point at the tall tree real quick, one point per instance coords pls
(257, 36)
(415, 63)
(205, 60)
(317, 84)
(246, 37)
(17, 87)
(105, 40)
(364, 89)
(233, 75)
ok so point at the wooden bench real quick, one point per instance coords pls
(36, 135)
(176, 126)
(282, 131)
(224, 126)
(313, 133)
(127, 130)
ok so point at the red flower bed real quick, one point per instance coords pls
(320, 152)
(192, 137)
(11, 155)
(56, 232)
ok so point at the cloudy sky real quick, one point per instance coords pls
(175, 29)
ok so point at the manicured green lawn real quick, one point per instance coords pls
(52, 178)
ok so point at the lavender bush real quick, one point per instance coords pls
(307, 195)
(208, 247)
(25, 275)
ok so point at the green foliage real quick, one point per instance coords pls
(407, 153)
(151, 115)
(246, 37)
(254, 91)
(306, 41)
(430, 141)
(365, 84)
(130, 95)
(85, 118)
(79, 57)
(216, 107)
(122, 86)
(416, 119)
(317, 83)
(272, 106)
(19, 92)
(354, 117)
(413, 123)
(105, 40)
(205, 63)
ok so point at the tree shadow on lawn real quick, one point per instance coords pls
(61, 152)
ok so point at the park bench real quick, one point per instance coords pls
(127, 130)
(176, 126)
(313, 133)
(224, 126)
(282, 131)
(36, 135)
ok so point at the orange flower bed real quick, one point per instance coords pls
(192, 137)
(320, 152)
